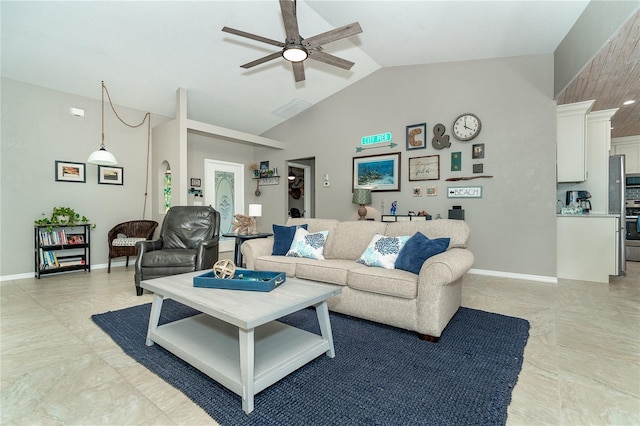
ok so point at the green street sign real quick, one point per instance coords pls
(379, 138)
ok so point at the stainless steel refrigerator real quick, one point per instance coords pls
(617, 206)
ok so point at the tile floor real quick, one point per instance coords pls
(582, 360)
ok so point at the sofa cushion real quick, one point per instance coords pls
(126, 241)
(169, 257)
(418, 249)
(278, 264)
(308, 245)
(383, 251)
(390, 282)
(333, 271)
(456, 230)
(350, 239)
(283, 237)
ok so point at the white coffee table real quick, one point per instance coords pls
(236, 340)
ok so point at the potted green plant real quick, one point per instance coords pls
(62, 216)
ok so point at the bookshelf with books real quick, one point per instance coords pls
(62, 248)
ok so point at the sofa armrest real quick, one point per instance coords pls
(445, 268)
(251, 249)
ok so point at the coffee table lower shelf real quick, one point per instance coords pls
(220, 350)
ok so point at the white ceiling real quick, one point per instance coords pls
(145, 50)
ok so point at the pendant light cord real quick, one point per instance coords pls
(133, 126)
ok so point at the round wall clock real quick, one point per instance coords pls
(466, 127)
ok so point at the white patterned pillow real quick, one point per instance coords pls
(308, 245)
(383, 251)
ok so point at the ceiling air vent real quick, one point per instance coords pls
(292, 108)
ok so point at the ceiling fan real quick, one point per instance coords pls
(296, 49)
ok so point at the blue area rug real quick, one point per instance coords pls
(380, 376)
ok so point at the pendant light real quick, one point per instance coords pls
(102, 157)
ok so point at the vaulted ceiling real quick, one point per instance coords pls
(146, 50)
(612, 77)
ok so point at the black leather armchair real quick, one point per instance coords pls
(188, 242)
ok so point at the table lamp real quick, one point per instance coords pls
(255, 210)
(361, 196)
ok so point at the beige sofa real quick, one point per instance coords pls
(423, 303)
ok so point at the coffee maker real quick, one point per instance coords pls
(579, 199)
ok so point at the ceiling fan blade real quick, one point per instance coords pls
(262, 60)
(288, 8)
(252, 36)
(332, 35)
(330, 59)
(298, 71)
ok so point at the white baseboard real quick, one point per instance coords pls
(538, 278)
(17, 276)
(527, 277)
(33, 274)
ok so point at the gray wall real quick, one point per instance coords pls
(37, 130)
(513, 225)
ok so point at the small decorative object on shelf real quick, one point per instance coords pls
(224, 269)
(394, 205)
(255, 169)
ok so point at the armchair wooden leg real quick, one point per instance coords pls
(139, 291)
(127, 264)
(109, 267)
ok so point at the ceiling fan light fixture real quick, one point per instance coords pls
(295, 53)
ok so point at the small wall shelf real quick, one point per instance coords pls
(269, 180)
(403, 218)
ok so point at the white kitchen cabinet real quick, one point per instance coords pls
(630, 147)
(572, 141)
(587, 247)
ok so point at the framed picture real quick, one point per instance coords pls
(477, 150)
(431, 191)
(417, 136)
(109, 175)
(379, 172)
(456, 161)
(264, 167)
(417, 191)
(424, 168)
(66, 171)
(196, 182)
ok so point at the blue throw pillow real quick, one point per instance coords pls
(418, 249)
(283, 237)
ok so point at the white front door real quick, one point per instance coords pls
(224, 191)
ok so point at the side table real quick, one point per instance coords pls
(237, 253)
